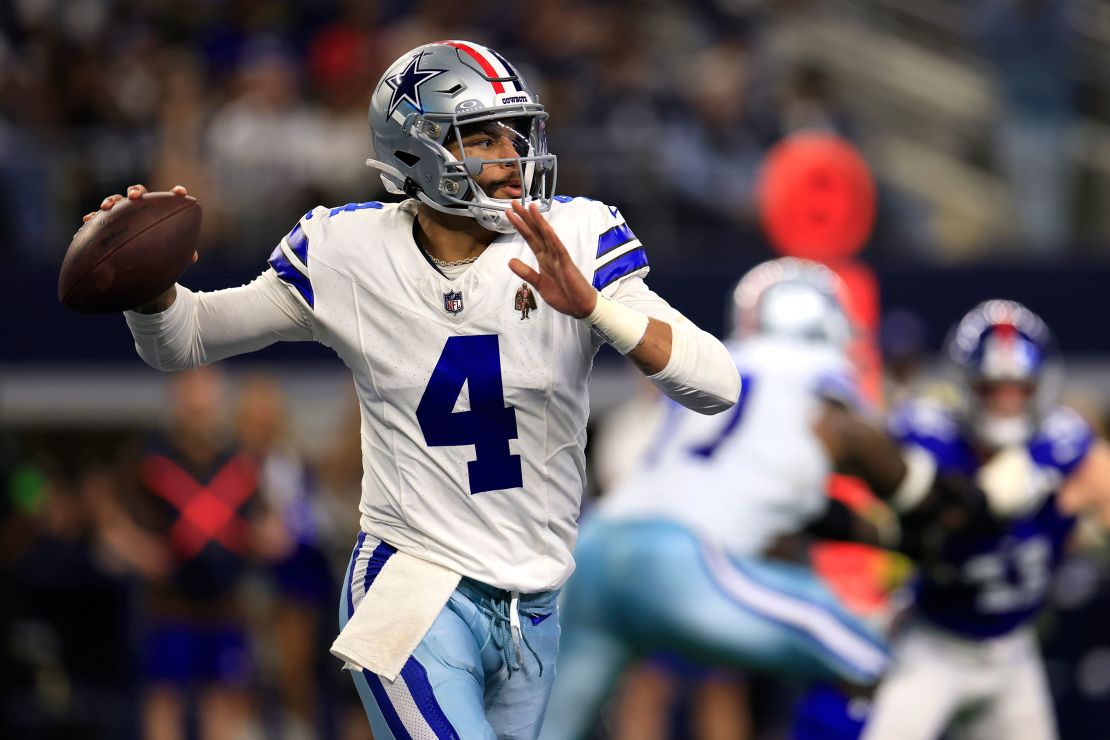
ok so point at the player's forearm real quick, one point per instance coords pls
(166, 340)
(653, 352)
(200, 328)
(698, 373)
(687, 364)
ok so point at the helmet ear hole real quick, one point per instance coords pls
(409, 159)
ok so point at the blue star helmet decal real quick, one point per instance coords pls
(406, 85)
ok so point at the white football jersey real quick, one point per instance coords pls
(745, 477)
(473, 411)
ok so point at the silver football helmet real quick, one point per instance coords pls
(420, 106)
(790, 297)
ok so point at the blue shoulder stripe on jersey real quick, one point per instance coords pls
(615, 237)
(298, 242)
(568, 198)
(355, 207)
(618, 268)
(288, 272)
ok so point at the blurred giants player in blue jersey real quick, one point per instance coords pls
(966, 661)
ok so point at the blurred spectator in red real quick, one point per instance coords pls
(344, 60)
(199, 492)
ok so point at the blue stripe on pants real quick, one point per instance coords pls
(413, 673)
(808, 618)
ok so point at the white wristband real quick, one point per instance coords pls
(621, 326)
(921, 471)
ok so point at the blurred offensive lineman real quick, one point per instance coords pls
(968, 650)
(676, 556)
(473, 421)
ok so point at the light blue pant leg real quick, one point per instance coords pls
(808, 631)
(746, 612)
(457, 683)
(590, 663)
(647, 586)
(593, 652)
(430, 698)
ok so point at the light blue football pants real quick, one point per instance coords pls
(466, 678)
(642, 587)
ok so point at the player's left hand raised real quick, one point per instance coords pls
(559, 281)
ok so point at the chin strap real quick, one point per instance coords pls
(494, 220)
(392, 178)
(489, 217)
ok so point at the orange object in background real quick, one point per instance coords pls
(816, 197)
(817, 201)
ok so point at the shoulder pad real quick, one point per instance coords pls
(1062, 440)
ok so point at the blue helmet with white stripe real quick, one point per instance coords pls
(1001, 343)
(420, 106)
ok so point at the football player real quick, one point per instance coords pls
(473, 421)
(676, 558)
(967, 658)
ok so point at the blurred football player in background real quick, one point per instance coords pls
(967, 658)
(679, 556)
(652, 694)
(473, 421)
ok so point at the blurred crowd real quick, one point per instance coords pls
(259, 107)
(180, 577)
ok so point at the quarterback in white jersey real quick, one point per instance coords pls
(696, 523)
(473, 411)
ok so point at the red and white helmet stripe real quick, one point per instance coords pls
(492, 65)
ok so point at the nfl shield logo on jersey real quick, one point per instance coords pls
(452, 302)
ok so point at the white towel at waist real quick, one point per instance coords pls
(394, 615)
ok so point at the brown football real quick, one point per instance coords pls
(131, 254)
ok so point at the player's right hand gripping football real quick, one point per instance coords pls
(134, 192)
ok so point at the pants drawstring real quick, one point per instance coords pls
(506, 630)
(514, 625)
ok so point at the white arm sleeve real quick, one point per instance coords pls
(700, 374)
(199, 328)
